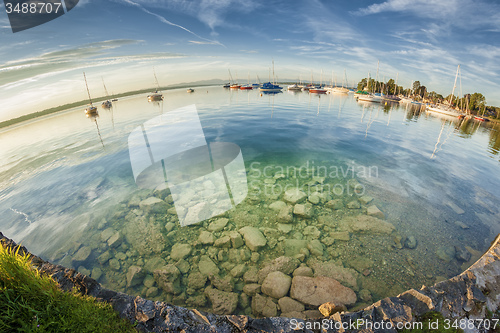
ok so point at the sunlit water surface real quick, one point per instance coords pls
(66, 186)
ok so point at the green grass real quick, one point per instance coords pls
(32, 302)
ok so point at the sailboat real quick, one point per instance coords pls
(447, 109)
(91, 111)
(106, 104)
(156, 95)
(341, 90)
(248, 86)
(271, 87)
(318, 89)
(370, 97)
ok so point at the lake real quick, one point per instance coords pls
(382, 198)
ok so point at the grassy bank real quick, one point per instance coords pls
(31, 302)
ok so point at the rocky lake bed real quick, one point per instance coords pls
(293, 244)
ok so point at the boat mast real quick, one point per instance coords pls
(274, 81)
(88, 92)
(156, 80)
(105, 90)
(376, 78)
(396, 86)
(454, 85)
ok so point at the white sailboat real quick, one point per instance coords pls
(156, 95)
(447, 109)
(91, 110)
(106, 104)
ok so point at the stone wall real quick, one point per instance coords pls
(469, 295)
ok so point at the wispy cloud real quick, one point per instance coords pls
(164, 20)
(21, 71)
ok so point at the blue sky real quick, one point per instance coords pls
(121, 41)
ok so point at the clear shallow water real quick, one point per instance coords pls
(64, 190)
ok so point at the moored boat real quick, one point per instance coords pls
(156, 95)
(270, 87)
(190, 90)
(91, 110)
(294, 87)
(317, 90)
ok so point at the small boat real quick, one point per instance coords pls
(246, 87)
(106, 104)
(235, 86)
(370, 98)
(317, 90)
(91, 110)
(391, 98)
(156, 95)
(294, 87)
(190, 90)
(270, 87)
(114, 99)
(339, 90)
(227, 85)
(479, 118)
(447, 109)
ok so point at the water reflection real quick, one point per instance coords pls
(494, 140)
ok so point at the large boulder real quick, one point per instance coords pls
(264, 306)
(318, 290)
(254, 239)
(276, 284)
(207, 267)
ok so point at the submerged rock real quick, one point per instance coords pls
(285, 265)
(207, 266)
(446, 253)
(304, 211)
(223, 302)
(277, 205)
(206, 238)
(354, 204)
(180, 251)
(218, 225)
(294, 196)
(135, 276)
(366, 223)
(168, 279)
(293, 247)
(335, 204)
(288, 304)
(318, 290)
(276, 284)
(82, 254)
(411, 242)
(264, 306)
(365, 199)
(347, 276)
(154, 205)
(254, 239)
(285, 214)
(374, 211)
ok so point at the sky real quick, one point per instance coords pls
(121, 41)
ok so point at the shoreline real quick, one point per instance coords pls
(34, 115)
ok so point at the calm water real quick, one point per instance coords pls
(66, 186)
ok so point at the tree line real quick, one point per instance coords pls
(475, 103)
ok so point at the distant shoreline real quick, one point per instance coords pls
(64, 107)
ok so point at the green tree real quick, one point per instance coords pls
(416, 87)
(476, 102)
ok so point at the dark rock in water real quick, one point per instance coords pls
(462, 254)
(411, 242)
(354, 204)
(446, 253)
(335, 204)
